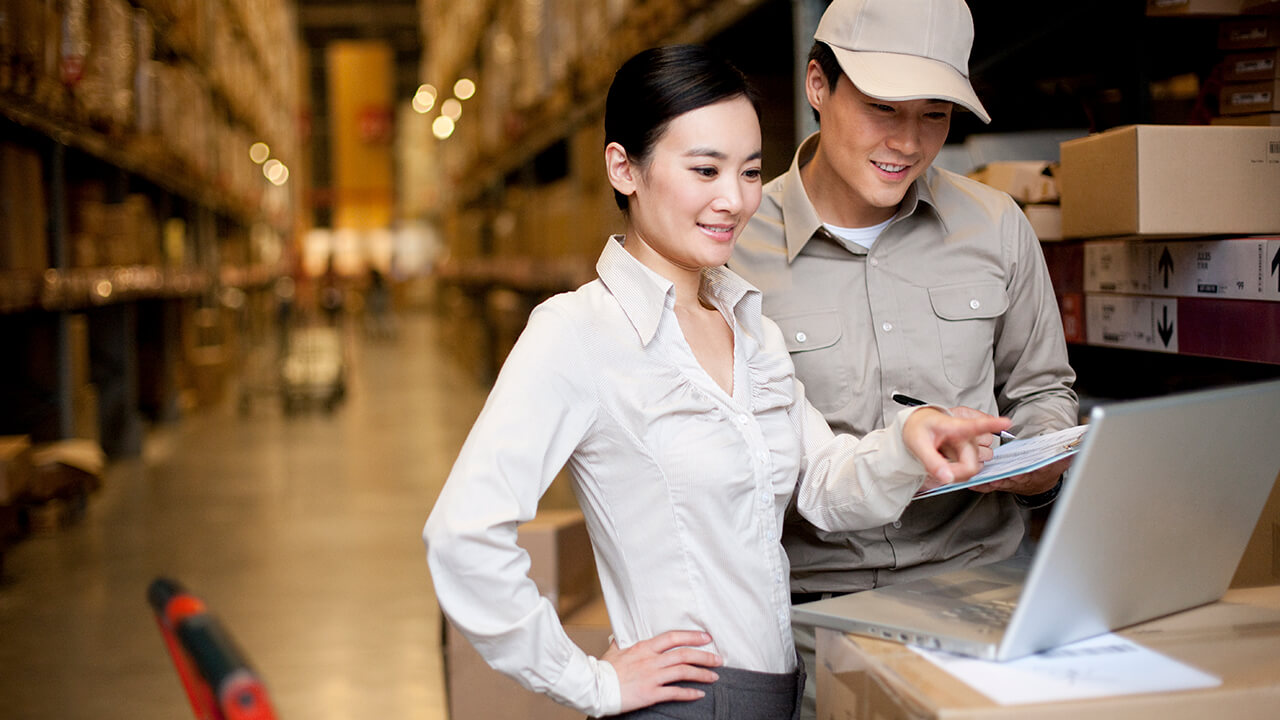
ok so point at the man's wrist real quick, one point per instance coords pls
(1039, 500)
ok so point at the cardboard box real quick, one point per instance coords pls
(1173, 8)
(66, 468)
(1247, 98)
(1260, 7)
(1046, 221)
(1253, 120)
(15, 467)
(1250, 33)
(1260, 564)
(477, 691)
(1235, 268)
(1027, 181)
(1171, 180)
(24, 238)
(1237, 639)
(1250, 66)
(561, 562)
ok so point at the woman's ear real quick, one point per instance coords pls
(618, 166)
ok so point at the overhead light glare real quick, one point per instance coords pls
(442, 127)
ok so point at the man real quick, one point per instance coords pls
(891, 277)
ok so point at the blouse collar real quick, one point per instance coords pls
(644, 294)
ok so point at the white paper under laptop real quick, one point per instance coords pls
(1154, 515)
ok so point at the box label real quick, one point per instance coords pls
(1137, 323)
(1243, 269)
(1257, 65)
(1251, 98)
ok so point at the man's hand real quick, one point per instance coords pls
(647, 669)
(1034, 482)
(948, 446)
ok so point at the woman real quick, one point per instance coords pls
(674, 403)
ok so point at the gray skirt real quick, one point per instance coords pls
(737, 695)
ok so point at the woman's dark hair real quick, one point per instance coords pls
(659, 84)
(826, 59)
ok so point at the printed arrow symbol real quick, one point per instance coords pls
(1165, 264)
(1275, 266)
(1165, 327)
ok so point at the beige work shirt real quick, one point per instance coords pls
(952, 305)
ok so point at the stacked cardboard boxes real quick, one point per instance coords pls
(1251, 89)
(1191, 260)
(23, 216)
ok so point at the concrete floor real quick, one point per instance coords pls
(302, 534)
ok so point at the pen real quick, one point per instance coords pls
(909, 401)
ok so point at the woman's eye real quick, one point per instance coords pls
(753, 174)
(705, 171)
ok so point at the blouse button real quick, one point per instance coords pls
(887, 327)
(801, 337)
(975, 304)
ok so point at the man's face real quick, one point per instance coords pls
(871, 150)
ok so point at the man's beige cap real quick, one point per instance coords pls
(904, 49)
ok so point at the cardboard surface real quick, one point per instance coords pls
(1260, 564)
(1237, 639)
(1046, 221)
(1253, 119)
(1175, 8)
(1248, 98)
(1262, 31)
(1236, 268)
(1027, 181)
(1171, 180)
(15, 467)
(561, 562)
(563, 567)
(1250, 66)
(477, 691)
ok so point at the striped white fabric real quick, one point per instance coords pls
(683, 485)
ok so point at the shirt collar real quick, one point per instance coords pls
(644, 295)
(800, 219)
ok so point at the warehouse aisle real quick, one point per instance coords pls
(302, 534)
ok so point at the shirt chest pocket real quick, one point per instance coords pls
(966, 318)
(813, 340)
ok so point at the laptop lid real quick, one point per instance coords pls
(1162, 500)
(1155, 512)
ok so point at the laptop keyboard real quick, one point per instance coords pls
(990, 612)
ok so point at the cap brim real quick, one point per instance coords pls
(893, 76)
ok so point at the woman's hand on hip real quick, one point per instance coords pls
(647, 669)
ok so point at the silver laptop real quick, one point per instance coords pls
(1154, 515)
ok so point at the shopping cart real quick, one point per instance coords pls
(218, 680)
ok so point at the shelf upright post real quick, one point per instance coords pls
(59, 260)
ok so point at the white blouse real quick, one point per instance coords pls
(683, 486)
